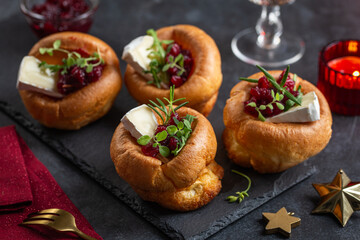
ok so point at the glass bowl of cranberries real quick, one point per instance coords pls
(50, 16)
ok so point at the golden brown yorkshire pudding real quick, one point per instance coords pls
(202, 87)
(187, 182)
(85, 105)
(272, 147)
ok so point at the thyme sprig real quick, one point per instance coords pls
(73, 58)
(158, 65)
(180, 131)
(166, 109)
(240, 195)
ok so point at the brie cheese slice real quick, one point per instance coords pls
(31, 77)
(140, 121)
(136, 54)
(309, 111)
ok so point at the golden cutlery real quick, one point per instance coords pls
(57, 219)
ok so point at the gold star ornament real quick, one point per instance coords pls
(282, 222)
(338, 197)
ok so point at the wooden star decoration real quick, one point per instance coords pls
(282, 222)
(339, 197)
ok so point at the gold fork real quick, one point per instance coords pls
(57, 219)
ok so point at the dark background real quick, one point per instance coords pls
(118, 22)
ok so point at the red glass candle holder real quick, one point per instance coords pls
(339, 80)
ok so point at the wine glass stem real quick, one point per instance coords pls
(269, 27)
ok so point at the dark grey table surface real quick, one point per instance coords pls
(117, 22)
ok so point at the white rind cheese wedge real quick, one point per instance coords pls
(32, 78)
(136, 54)
(140, 121)
(309, 111)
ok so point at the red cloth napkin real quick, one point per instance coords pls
(15, 191)
(24, 179)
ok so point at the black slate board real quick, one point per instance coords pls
(88, 149)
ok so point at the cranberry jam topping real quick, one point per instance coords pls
(171, 136)
(169, 141)
(77, 70)
(57, 14)
(170, 66)
(177, 76)
(266, 100)
(77, 78)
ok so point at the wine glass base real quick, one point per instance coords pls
(289, 50)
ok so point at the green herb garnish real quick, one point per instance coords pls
(73, 58)
(283, 80)
(249, 80)
(158, 65)
(240, 195)
(277, 86)
(181, 131)
(278, 96)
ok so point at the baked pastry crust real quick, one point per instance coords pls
(272, 147)
(201, 88)
(85, 105)
(189, 181)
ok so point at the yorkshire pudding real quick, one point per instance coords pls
(188, 181)
(272, 147)
(85, 105)
(202, 87)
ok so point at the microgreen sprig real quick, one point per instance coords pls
(276, 99)
(240, 195)
(73, 58)
(161, 136)
(178, 62)
(158, 65)
(180, 131)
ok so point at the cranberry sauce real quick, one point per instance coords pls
(58, 16)
(76, 77)
(169, 142)
(175, 77)
(261, 95)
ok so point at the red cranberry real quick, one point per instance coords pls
(173, 143)
(149, 150)
(79, 75)
(77, 78)
(185, 52)
(176, 115)
(282, 75)
(176, 80)
(188, 62)
(250, 110)
(276, 110)
(173, 71)
(255, 92)
(82, 52)
(167, 58)
(95, 74)
(175, 49)
(263, 82)
(160, 128)
(184, 78)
